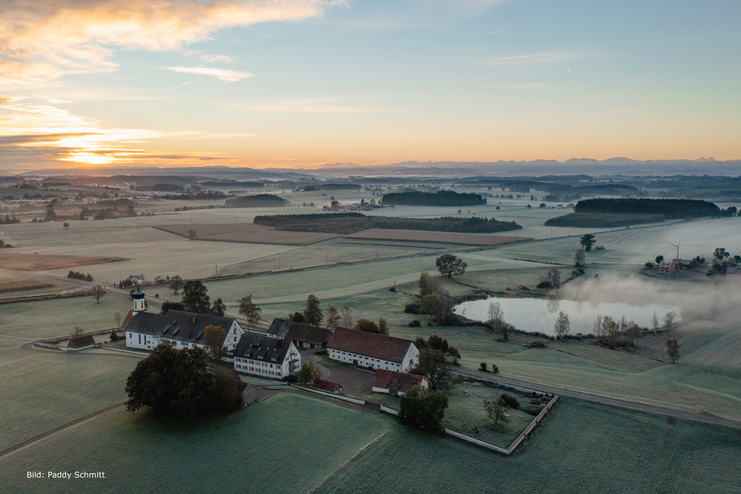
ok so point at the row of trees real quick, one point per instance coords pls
(347, 223)
(439, 198)
(670, 208)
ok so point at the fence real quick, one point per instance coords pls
(332, 395)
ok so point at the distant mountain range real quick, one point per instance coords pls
(448, 169)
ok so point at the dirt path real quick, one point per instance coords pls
(697, 417)
(58, 429)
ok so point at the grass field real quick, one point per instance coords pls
(581, 447)
(246, 233)
(34, 262)
(440, 237)
(41, 390)
(11, 282)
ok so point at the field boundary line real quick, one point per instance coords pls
(51, 432)
(348, 461)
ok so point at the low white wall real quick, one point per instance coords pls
(389, 410)
(332, 395)
(476, 441)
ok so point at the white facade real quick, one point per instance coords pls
(410, 360)
(271, 370)
(148, 342)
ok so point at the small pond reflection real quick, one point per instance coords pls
(539, 315)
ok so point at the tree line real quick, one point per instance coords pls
(439, 198)
(670, 208)
(347, 223)
(255, 201)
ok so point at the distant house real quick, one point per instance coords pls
(137, 279)
(681, 263)
(372, 350)
(396, 383)
(146, 330)
(160, 279)
(266, 357)
(81, 342)
(733, 272)
(328, 386)
(302, 335)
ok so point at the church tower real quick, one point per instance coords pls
(139, 305)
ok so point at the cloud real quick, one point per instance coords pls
(536, 58)
(225, 75)
(490, 33)
(216, 58)
(43, 40)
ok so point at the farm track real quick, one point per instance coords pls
(46, 434)
(670, 414)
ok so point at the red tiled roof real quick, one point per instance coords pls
(127, 320)
(403, 381)
(326, 385)
(369, 344)
(81, 342)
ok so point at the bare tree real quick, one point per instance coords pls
(580, 258)
(562, 326)
(346, 316)
(77, 332)
(598, 328)
(496, 411)
(670, 321)
(333, 317)
(249, 310)
(672, 349)
(655, 321)
(117, 318)
(554, 276)
(97, 292)
(176, 283)
(192, 234)
(425, 285)
(495, 315)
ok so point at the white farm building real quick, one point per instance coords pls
(266, 357)
(372, 350)
(146, 330)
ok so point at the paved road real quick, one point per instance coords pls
(707, 419)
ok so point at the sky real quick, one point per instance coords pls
(302, 83)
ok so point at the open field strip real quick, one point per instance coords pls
(248, 451)
(43, 390)
(637, 453)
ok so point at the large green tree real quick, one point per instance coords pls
(195, 297)
(180, 384)
(423, 408)
(672, 349)
(450, 265)
(587, 241)
(176, 283)
(313, 314)
(432, 365)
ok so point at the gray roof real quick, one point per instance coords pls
(178, 325)
(81, 342)
(256, 347)
(294, 331)
(279, 328)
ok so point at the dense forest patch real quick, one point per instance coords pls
(440, 198)
(604, 220)
(347, 223)
(259, 200)
(670, 208)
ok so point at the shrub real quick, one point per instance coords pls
(412, 309)
(494, 369)
(482, 367)
(545, 284)
(114, 336)
(414, 323)
(534, 410)
(535, 344)
(510, 401)
(649, 265)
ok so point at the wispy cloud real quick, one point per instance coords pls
(490, 33)
(225, 75)
(217, 59)
(41, 41)
(536, 58)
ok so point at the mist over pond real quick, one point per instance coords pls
(539, 315)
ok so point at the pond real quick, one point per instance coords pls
(539, 315)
